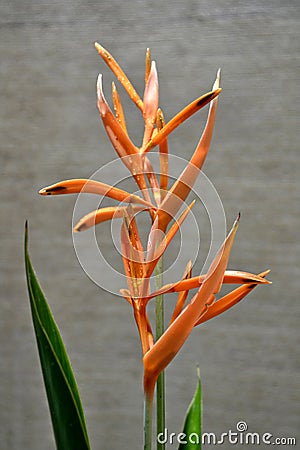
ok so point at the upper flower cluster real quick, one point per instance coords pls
(162, 202)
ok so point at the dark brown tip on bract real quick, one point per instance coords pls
(52, 190)
(208, 97)
(55, 189)
(79, 228)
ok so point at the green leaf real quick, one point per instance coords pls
(63, 397)
(193, 421)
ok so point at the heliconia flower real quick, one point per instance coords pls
(201, 308)
(117, 132)
(165, 349)
(162, 203)
(139, 268)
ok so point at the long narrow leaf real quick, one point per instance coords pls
(63, 397)
(193, 422)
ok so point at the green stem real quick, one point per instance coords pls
(160, 385)
(148, 422)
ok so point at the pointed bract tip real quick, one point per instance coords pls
(99, 81)
(216, 84)
(153, 65)
(237, 221)
(99, 87)
(45, 191)
(235, 224)
(264, 274)
(79, 228)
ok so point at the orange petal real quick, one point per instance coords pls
(230, 277)
(147, 65)
(187, 112)
(154, 238)
(182, 296)
(165, 349)
(133, 268)
(103, 214)
(134, 273)
(166, 241)
(118, 137)
(142, 320)
(118, 108)
(229, 300)
(82, 185)
(163, 155)
(133, 231)
(143, 325)
(152, 180)
(124, 147)
(183, 185)
(121, 76)
(150, 104)
(202, 148)
(238, 277)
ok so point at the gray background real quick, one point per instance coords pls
(50, 130)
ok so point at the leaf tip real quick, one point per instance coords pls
(26, 235)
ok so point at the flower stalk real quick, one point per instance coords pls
(160, 385)
(148, 402)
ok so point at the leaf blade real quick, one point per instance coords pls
(193, 421)
(63, 397)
